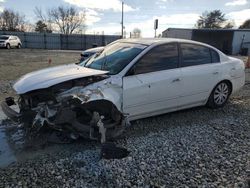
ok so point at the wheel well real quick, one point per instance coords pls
(104, 107)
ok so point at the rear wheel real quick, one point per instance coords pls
(219, 95)
(19, 46)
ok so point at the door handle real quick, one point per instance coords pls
(176, 80)
(215, 72)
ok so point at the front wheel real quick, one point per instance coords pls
(19, 46)
(8, 46)
(219, 95)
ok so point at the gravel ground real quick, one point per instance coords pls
(199, 147)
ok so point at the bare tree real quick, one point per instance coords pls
(67, 19)
(11, 21)
(44, 18)
(39, 14)
(136, 33)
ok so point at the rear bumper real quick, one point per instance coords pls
(238, 83)
(12, 114)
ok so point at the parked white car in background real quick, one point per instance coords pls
(130, 79)
(9, 41)
(89, 52)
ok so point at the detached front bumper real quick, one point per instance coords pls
(12, 114)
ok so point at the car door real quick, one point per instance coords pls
(152, 86)
(15, 41)
(11, 41)
(201, 71)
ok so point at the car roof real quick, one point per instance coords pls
(158, 41)
(9, 36)
(94, 50)
(5, 35)
(151, 41)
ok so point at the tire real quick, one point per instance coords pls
(8, 46)
(19, 46)
(219, 95)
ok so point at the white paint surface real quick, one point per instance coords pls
(51, 76)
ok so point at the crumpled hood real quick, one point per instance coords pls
(51, 76)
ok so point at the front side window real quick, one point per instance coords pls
(195, 55)
(160, 58)
(4, 38)
(115, 57)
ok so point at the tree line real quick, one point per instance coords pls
(68, 20)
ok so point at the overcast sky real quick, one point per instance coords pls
(105, 15)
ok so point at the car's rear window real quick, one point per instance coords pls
(215, 56)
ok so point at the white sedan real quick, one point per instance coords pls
(130, 79)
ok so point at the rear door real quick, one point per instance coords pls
(154, 85)
(16, 41)
(12, 41)
(201, 71)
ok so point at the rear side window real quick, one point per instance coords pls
(215, 56)
(160, 58)
(195, 55)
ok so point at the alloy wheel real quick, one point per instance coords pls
(221, 93)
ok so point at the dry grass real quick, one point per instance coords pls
(16, 62)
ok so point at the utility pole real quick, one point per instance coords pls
(122, 19)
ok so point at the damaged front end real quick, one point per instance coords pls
(89, 107)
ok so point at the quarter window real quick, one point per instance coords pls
(215, 56)
(195, 55)
(162, 57)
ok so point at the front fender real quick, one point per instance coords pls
(109, 89)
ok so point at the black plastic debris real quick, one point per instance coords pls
(57, 137)
(10, 101)
(110, 151)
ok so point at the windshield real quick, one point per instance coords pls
(114, 57)
(4, 37)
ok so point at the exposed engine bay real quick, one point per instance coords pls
(78, 107)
